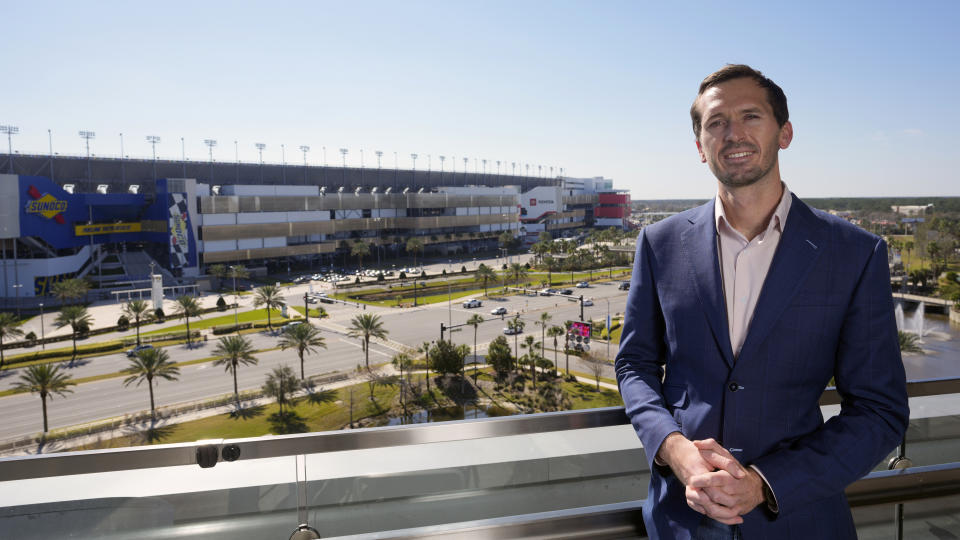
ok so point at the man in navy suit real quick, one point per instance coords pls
(740, 312)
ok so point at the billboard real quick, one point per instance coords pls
(179, 229)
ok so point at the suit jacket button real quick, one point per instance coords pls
(734, 387)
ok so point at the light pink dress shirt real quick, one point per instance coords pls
(744, 265)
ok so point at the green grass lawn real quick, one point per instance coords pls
(257, 315)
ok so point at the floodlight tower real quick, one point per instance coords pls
(343, 152)
(539, 171)
(484, 166)
(513, 168)
(87, 135)
(304, 148)
(551, 172)
(361, 158)
(123, 172)
(153, 140)
(260, 146)
(210, 144)
(414, 156)
(465, 160)
(528, 169)
(10, 131)
(283, 163)
(442, 159)
(498, 168)
(379, 154)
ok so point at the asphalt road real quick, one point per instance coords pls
(409, 327)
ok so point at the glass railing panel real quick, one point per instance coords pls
(454, 482)
(241, 500)
(929, 519)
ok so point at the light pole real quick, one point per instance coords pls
(183, 157)
(498, 168)
(50, 140)
(10, 131)
(260, 146)
(513, 167)
(379, 154)
(153, 140)
(86, 135)
(43, 334)
(123, 173)
(343, 153)
(283, 164)
(210, 144)
(323, 149)
(304, 149)
(465, 160)
(236, 157)
(236, 299)
(361, 158)
(609, 337)
(16, 290)
(414, 156)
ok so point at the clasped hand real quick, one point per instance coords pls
(717, 485)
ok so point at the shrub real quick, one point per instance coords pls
(504, 267)
(463, 269)
(221, 304)
(380, 277)
(403, 275)
(159, 315)
(31, 337)
(123, 323)
(356, 279)
(444, 272)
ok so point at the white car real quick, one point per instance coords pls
(498, 311)
(508, 331)
(583, 285)
(472, 303)
(587, 302)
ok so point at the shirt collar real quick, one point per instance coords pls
(778, 220)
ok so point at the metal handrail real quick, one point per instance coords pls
(208, 453)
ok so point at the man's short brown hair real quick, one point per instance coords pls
(775, 95)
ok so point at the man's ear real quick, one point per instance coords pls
(786, 135)
(703, 157)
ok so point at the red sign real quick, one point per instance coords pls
(533, 202)
(580, 329)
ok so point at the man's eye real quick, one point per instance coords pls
(715, 123)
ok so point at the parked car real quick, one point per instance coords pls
(566, 291)
(587, 302)
(624, 286)
(133, 352)
(583, 285)
(509, 331)
(498, 311)
(547, 292)
(291, 324)
(472, 303)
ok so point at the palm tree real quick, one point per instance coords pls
(555, 332)
(281, 382)
(269, 296)
(46, 380)
(9, 328)
(909, 342)
(77, 318)
(232, 351)
(484, 273)
(414, 245)
(367, 326)
(518, 271)
(516, 325)
(403, 361)
(69, 289)
(359, 249)
(424, 349)
(305, 338)
(138, 310)
(475, 321)
(218, 271)
(149, 364)
(552, 266)
(544, 319)
(186, 307)
(530, 344)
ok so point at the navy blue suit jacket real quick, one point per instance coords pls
(825, 311)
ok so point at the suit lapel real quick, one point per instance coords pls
(699, 243)
(800, 245)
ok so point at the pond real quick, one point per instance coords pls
(939, 339)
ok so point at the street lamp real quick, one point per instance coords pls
(283, 163)
(153, 140)
(10, 131)
(210, 144)
(43, 334)
(16, 290)
(236, 299)
(414, 156)
(379, 154)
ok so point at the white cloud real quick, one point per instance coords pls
(913, 132)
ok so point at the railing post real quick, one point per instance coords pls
(900, 461)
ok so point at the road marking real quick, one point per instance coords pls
(359, 346)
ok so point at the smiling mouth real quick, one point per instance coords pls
(738, 155)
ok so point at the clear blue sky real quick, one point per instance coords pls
(599, 88)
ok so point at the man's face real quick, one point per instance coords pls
(739, 135)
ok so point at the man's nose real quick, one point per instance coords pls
(735, 132)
